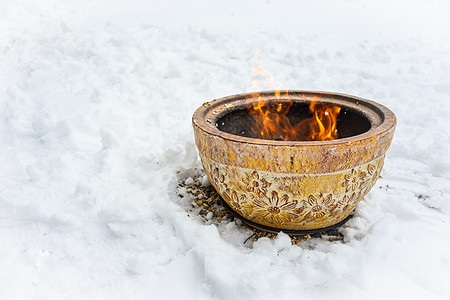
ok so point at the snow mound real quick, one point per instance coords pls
(96, 100)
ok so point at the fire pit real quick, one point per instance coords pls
(289, 180)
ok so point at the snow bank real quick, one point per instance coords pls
(96, 105)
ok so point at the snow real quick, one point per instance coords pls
(96, 102)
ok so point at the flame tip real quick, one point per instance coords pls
(271, 121)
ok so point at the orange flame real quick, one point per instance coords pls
(271, 120)
(322, 126)
(272, 123)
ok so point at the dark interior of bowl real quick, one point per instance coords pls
(239, 122)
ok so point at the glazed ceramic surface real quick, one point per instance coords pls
(293, 185)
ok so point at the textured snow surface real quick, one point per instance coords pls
(96, 99)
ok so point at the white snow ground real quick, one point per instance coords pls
(95, 120)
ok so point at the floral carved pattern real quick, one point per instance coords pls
(269, 200)
(277, 209)
(217, 177)
(237, 202)
(318, 207)
(256, 185)
(353, 180)
(346, 202)
(373, 173)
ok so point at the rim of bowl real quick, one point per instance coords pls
(206, 115)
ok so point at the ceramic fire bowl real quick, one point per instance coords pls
(293, 185)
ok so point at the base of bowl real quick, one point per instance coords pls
(287, 231)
